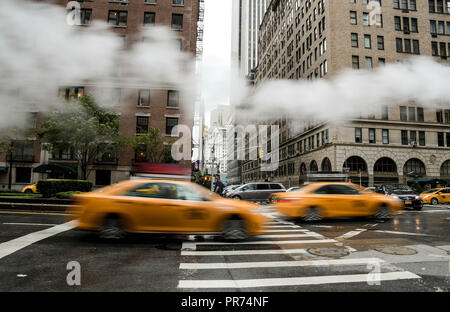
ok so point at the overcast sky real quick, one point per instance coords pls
(216, 54)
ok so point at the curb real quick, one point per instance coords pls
(39, 207)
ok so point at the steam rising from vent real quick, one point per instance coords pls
(41, 52)
(346, 95)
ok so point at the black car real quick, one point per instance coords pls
(403, 192)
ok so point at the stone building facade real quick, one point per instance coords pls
(315, 39)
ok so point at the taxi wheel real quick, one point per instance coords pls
(236, 197)
(313, 214)
(234, 229)
(383, 213)
(28, 191)
(112, 228)
(434, 201)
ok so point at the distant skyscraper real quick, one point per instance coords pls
(246, 18)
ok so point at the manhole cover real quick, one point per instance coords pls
(395, 250)
(329, 251)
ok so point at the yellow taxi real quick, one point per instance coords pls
(436, 196)
(316, 201)
(30, 189)
(144, 205)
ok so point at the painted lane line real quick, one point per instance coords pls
(293, 281)
(289, 235)
(14, 245)
(283, 226)
(402, 233)
(274, 242)
(351, 234)
(287, 231)
(34, 213)
(244, 252)
(19, 223)
(277, 264)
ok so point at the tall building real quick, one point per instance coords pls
(315, 39)
(140, 107)
(246, 18)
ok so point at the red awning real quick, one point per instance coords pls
(174, 169)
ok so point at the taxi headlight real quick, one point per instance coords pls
(395, 197)
(418, 197)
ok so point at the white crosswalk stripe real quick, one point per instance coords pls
(292, 241)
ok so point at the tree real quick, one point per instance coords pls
(83, 127)
(150, 147)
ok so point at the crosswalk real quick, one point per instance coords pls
(277, 258)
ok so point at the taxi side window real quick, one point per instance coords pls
(324, 190)
(337, 190)
(154, 190)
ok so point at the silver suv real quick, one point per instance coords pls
(259, 191)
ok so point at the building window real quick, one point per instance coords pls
(178, 2)
(354, 38)
(403, 116)
(353, 19)
(411, 113)
(149, 18)
(150, 1)
(144, 97)
(367, 42)
(380, 40)
(396, 4)
(397, 23)
(399, 45)
(177, 21)
(416, 49)
(369, 62)
(358, 135)
(385, 133)
(381, 61)
(23, 174)
(142, 124)
(431, 6)
(413, 137)
(71, 93)
(404, 137)
(407, 46)
(170, 123)
(422, 138)
(355, 62)
(86, 16)
(366, 19)
(448, 139)
(117, 18)
(440, 136)
(434, 48)
(414, 27)
(372, 136)
(173, 98)
(420, 116)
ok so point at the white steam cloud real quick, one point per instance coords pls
(346, 95)
(40, 52)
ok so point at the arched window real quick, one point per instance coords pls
(414, 167)
(326, 164)
(445, 168)
(303, 169)
(313, 166)
(385, 164)
(356, 164)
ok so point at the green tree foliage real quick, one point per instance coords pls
(152, 147)
(83, 127)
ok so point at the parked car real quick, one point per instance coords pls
(165, 206)
(333, 200)
(402, 192)
(30, 189)
(229, 189)
(258, 191)
(436, 196)
(293, 189)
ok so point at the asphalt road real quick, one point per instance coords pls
(410, 252)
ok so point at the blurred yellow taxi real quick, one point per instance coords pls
(316, 201)
(143, 205)
(30, 189)
(436, 196)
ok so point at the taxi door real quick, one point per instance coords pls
(443, 195)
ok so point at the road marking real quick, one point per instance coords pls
(293, 281)
(282, 226)
(243, 252)
(282, 231)
(19, 223)
(274, 242)
(34, 213)
(351, 234)
(277, 264)
(402, 233)
(14, 245)
(310, 234)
